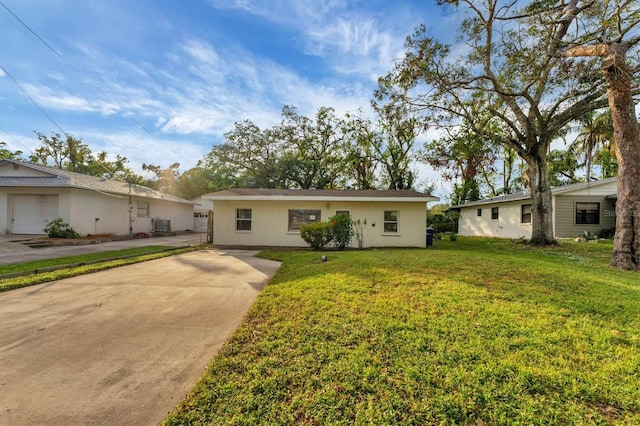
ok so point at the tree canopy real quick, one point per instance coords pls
(512, 69)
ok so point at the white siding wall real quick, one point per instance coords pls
(270, 222)
(508, 224)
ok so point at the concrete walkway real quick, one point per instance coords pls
(123, 346)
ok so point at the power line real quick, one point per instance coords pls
(94, 85)
(70, 65)
(14, 139)
(32, 100)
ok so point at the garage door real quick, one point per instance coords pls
(29, 213)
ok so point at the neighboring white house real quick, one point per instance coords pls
(31, 195)
(201, 209)
(577, 208)
(272, 217)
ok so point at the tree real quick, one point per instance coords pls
(462, 157)
(563, 165)
(5, 153)
(594, 130)
(362, 141)
(164, 179)
(253, 154)
(510, 69)
(395, 153)
(314, 154)
(619, 76)
(70, 153)
(605, 156)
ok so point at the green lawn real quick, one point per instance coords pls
(467, 332)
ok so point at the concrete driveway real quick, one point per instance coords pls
(124, 346)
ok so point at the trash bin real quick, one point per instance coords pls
(430, 234)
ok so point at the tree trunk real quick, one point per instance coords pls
(626, 244)
(541, 200)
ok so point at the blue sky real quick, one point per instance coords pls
(160, 81)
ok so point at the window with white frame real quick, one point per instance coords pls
(390, 221)
(143, 209)
(479, 212)
(299, 217)
(243, 219)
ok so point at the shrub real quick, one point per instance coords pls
(342, 228)
(358, 226)
(607, 234)
(317, 234)
(58, 229)
(453, 236)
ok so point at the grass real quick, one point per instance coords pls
(65, 267)
(477, 331)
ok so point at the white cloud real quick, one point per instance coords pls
(349, 41)
(47, 98)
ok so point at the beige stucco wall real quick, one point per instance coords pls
(270, 222)
(80, 207)
(113, 213)
(506, 226)
(5, 203)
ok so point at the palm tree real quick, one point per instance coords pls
(595, 129)
(605, 154)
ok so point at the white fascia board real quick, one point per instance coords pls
(322, 199)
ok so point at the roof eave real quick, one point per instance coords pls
(425, 199)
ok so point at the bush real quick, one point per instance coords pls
(453, 236)
(607, 234)
(58, 229)
(317, 234)
(342, 228)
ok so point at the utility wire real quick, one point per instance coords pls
(14, 139)
(94, 85)
(69, 64)
(32, 100)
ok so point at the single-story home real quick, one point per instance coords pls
(260, 217)
(31, 195)
(577, 208)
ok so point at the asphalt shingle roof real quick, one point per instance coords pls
(523, 195)
(59, 178)
(267, 193)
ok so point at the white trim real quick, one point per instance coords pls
(318, 198)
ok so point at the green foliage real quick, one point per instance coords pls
(480, 331)
(509, 85)
(70, 153)
(453, 236)
(317, 234)
(57, 228)
(5, 153)
(607, 233)
(446, 221)
(358, 229)
(342, 229)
